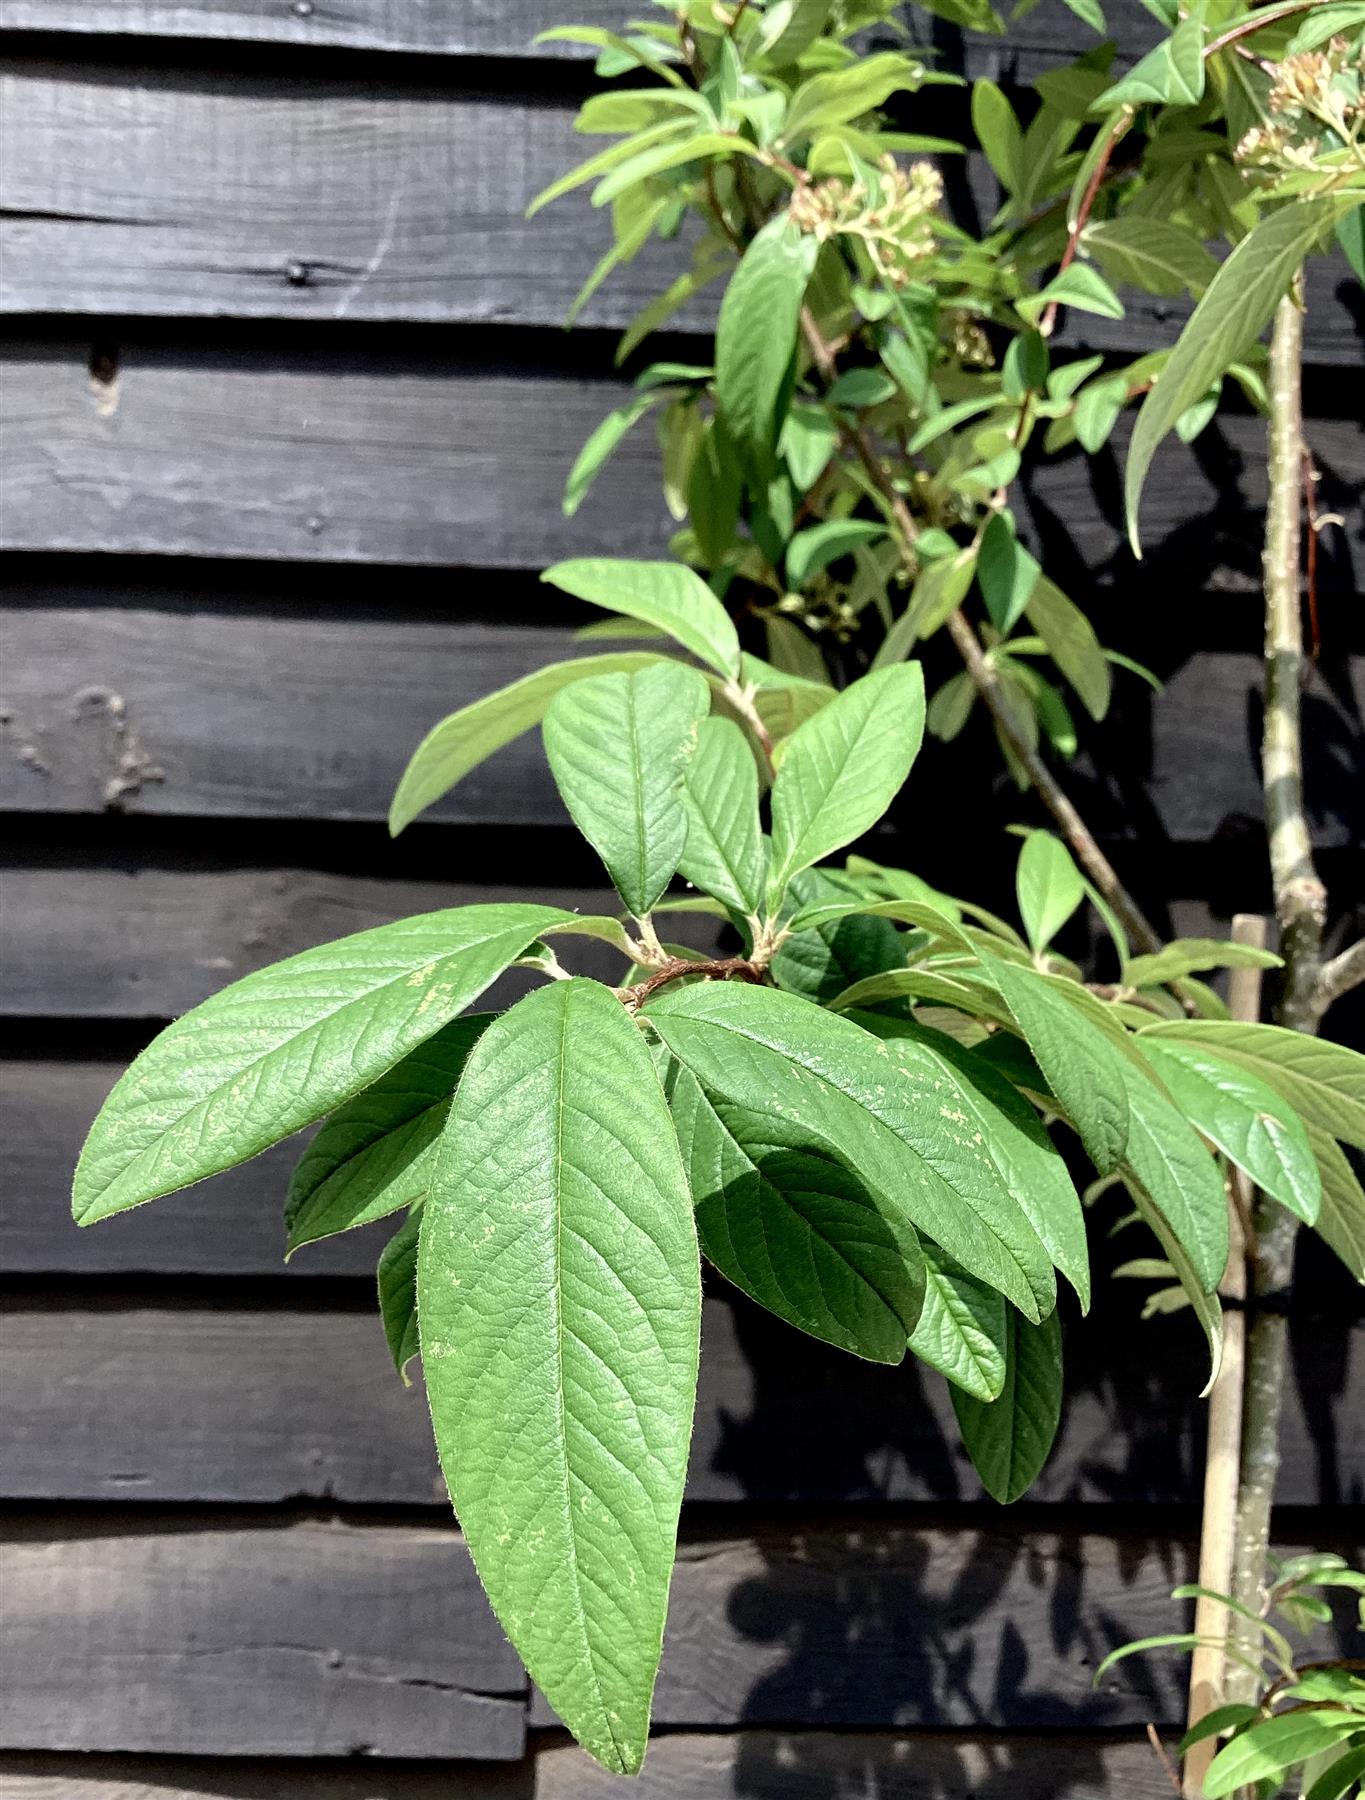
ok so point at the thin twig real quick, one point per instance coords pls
(1160, 1749)
(725, 968)
(1249, 27)
(1117, 131)
(1342, 973)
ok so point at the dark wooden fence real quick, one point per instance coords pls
(288, 417)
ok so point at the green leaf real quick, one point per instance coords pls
(1335, 1781)
(1269, 1750)
(1079, 286)
(1341, 1219)
(1351, 237)
(1072, 645)
(1237, 306)
(791, 27)
(756, 339)
(1193, 956)
(701, 146)
(785, 1059)
(1323, 1082)
(1179, 1176)
(606, 160)
(669, 595)
(972, 1000)
(817, 546)
(1007, 573)
(397, 1281)
(997, 132)
(809, 438)
(1172, 74)
(977, 1097)
(842, 769)
(1325, 21)
(848, 93)
(1097, 411)
(274, 1051)
(464, 739)
(600, 445)
(823, 958)
(559, 1299)
(1049, 887)
(1082, 1066)
(375, 1154)
(1010, 1438)
(962, 1326)
(1215, 1723)
(617, 747)
(725, 853)
(1245, 1117)
(1153, 254)
(794, 1226)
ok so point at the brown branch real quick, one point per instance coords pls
(1341, 974)
(1159, 1749)
(725, 968)
(990, 687)
(1117, 132)
(1271, 16)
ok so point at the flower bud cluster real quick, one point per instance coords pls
(893, 215)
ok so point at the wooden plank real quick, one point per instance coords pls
(268, 1404)
(316, 1640)
(148, 942)
(797, 1765)
(307, 1640)
(263, 709)
(185, 192)
(341, 457)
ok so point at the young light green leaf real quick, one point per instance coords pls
(1082, 1066)
(603, 440)
(1048, 885)
(397, 1280)
(1156, 255)
(1081, 287)
(274, 1051)
(782, 1058)
(669, 595)
(794, 1226)
(1215, 1723)
(791, 27)
(375, 1154)
(848, 93)
(1010, 1438)
(1072, 644)
(975, 1095)
(1238, 304)
(1172, 74)
(1268, 1751)
(962, 1326)
(1194, 956)
(608, 159)
(997, 132)
(842, 769)
(618, 746)
(813, 549)
(1245, 1117)
(756, 339)
(559, 1304)
(1323, 1082)
(464, 739)
(725, 854)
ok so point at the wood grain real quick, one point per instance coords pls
(263, 708)
(303, 1640)
(410, 458)
(268, 1404)
(187, 192)
(765, 1765)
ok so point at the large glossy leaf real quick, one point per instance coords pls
(618, 746)
(842, 769)
(962, 1326)
(1270, 1750)
(1239, 303)
(756, 334)
(397, 1283)
(376, 1153)
(794, 1226)
(276, 1050)
(725, 854)
(559, 1299)
(1323, 1082)
(1048, 885)
(464, 739)
(775, 1054)
(1084, 1069)
(1009, 1132)
(1009, 1438)
(1249, 1121)
(1180, 1177)
(668, 595)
